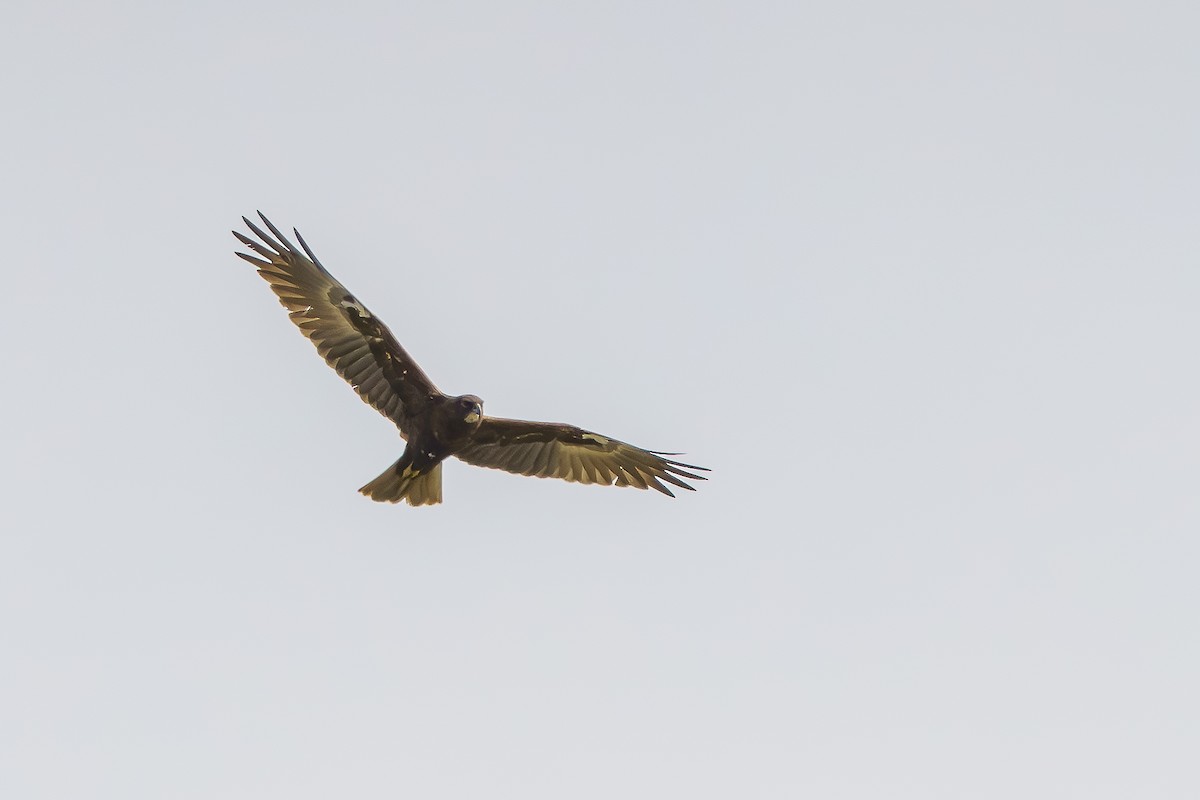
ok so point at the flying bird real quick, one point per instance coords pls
(436, 426)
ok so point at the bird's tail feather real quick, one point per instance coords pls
(402, 481)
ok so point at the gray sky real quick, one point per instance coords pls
(917, 280)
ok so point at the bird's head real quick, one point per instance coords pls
(471, 408)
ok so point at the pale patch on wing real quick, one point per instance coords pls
(350, 302)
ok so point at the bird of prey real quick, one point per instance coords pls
(435, 426)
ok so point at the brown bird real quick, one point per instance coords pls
(363, 351)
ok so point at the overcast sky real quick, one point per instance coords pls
(918, 281)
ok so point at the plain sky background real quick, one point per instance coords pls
(917, 280)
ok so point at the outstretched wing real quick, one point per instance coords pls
(347, 335)
(549, 450)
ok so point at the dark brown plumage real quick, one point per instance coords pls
(363, 351)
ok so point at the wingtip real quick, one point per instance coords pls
(663, 455)
(657, 486)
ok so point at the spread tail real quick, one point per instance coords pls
(402, 481)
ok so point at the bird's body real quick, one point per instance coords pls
(436, 426)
